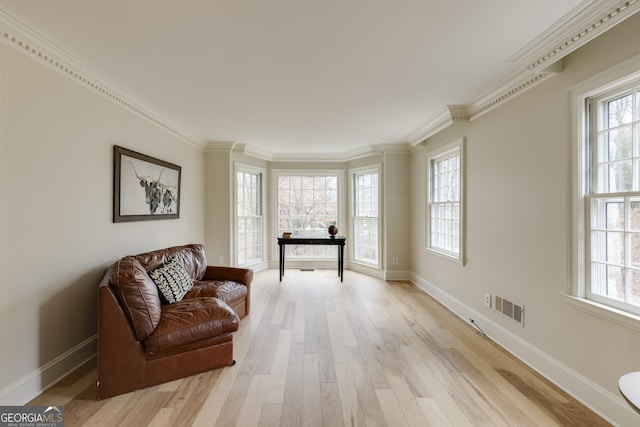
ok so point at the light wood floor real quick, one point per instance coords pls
(317, 352)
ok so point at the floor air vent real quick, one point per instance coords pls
(510, 309)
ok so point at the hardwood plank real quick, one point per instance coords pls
(331, 404)
(97, 416)
(288, 316)
(368, 352)
(345, 327)
(211, 409)
(391, 408)
(237, 394)
(141, 410)
(351, 412)
(318, 352)
(432, 411)
(367, 398)
(249, 414)
(292, 408)
(265, 359)
(278, 374)
(407, 400)
(270, 415)
(311, 401)
(446, 401)
(299, 324)
(279, 310)
(189, 397)
(163, 417)
(325, 352)
(337, 343)
(394, 363)
(311, 345)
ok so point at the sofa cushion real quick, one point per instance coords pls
(190, 321)
(172, 281)
(228, 291)
(191, 257)
(138, 295)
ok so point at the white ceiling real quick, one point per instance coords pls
(298, 76)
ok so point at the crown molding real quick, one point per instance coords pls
(346, 156)
(443, 119)
(221, 146)
(542, 58)
(397, 148)
(511, 87)
(538, 60)
(578, 27)
(366, 151)
(252, 151)
(30, 43)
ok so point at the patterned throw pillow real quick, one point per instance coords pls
(172, 281)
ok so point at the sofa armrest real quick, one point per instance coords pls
(240, 275)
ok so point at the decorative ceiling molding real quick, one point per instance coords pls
(581, 25)
(366, 151)
(252, 151)
(540, 59)
(226, 146)
(26, 40)
(509, 89)
(443, 119)
(399, 148)
(358, 153)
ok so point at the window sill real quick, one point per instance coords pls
(611, 314)
(446, 255)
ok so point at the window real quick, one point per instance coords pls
(249, 223)
(445, 201)
(307, 204)
(365, 217)
(612, 199)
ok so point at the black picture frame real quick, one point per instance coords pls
(144, 188)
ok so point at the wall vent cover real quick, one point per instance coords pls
(510, 309)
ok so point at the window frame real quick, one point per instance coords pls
(456, 146)
(339, 173)
(249, 169)
(354, 173)
(596, 198)
(578, 214)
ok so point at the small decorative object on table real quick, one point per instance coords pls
(333, 230)
(286, 235)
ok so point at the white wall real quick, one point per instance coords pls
(518, 241)
(218, 206)
(396, 187)
(56, 231)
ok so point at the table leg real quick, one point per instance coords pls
(341, 262)
(281, 263)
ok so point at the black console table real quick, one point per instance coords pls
(336, 241)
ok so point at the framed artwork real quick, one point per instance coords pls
(145, 188)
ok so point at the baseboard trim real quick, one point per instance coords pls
(365, 269)
(609, 406)
(32, 385)
(399, 276)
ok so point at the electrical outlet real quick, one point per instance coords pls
(487, 299)
(220, 260)
(395, 260)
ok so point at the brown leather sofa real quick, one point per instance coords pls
(142, 342)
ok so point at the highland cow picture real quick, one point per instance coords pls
(145, 188)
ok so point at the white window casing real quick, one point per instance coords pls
(445, 201)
